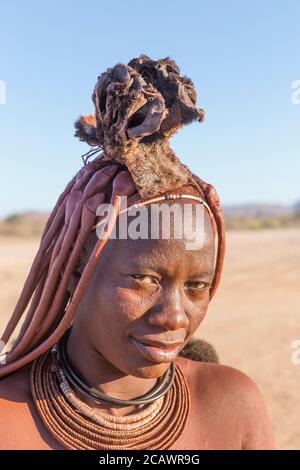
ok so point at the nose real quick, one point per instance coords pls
(169, 312)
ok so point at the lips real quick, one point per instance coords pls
(157, 352)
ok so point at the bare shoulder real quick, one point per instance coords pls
(233, 399)
(14, 407)
(218, 378)
(19, 427)
(14, 390)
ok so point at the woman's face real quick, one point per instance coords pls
(147, 291)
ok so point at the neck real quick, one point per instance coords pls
(100, 374)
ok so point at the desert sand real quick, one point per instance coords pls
(252, 321)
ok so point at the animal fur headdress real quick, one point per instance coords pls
(138, 107)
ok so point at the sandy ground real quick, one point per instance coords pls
(252, 321)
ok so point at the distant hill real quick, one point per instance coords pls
(296, 207)
(260, 210)
(258, 216)
(24, 224)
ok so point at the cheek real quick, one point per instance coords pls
(131, 304)
(198, 311)
(102, 305)
(116, 307)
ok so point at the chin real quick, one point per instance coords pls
(152, 371)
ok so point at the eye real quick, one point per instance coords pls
(197, 286)
(146, 278)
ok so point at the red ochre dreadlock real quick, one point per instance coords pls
(138, 107)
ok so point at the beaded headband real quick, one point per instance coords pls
(165, 197)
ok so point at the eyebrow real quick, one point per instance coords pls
(204, 274)
(152, 267)
(161, 270)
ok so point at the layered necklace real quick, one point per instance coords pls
(76, 425)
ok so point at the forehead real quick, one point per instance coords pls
(193, 246)
(164, 253)
(185, 218)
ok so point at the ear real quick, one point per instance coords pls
(86, 129)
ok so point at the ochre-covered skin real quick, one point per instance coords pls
(95, 288)
(63, 240)
(227, 412)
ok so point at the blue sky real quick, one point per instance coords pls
(241, 56)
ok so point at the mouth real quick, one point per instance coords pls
(158, 353)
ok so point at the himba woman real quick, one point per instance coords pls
(104, 356)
